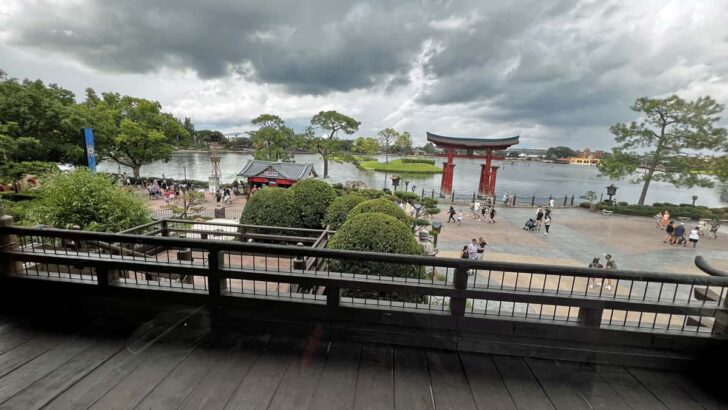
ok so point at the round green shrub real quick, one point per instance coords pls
(382, 206)
(310, 198)
(92, 201)
(339, 210)
(270, 207)
(406, 196)
(372, 232)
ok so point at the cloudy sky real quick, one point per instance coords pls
(554, 72)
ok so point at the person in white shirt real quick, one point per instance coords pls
(551, 203)
(473, 249)
(694, 236)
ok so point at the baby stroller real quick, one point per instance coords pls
(530, 225)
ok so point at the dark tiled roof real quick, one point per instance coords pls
(286, 170)
(441, 140)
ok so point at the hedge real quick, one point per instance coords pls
(406, 196)
(372, 232)
(311, 198)
(675, 211)
(270, 207)
(418, 161)
(339, 209)
(381, 205)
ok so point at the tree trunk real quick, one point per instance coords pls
(646, 186)
(136, 169)
(651, 170)
(326, 167)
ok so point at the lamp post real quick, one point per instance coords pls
(436, 228)
(414, 187)
(185, 169)
(395, 182)
(611, 191)
(695, 198)
(406, 185)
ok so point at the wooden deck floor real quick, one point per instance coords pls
(177, 361)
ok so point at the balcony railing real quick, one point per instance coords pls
(453, 295)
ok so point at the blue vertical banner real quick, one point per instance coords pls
(88, 139)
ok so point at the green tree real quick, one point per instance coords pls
(366, 145)
(131, 131)
(560, 152)
(272, 140)
(670, 131)
(92, 201)
(188, 203)
(429, 148)
(403, 143)
(333, 122)
(387, 137)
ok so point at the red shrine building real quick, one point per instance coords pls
(454, 147)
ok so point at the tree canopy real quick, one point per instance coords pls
(403, 143)
(366, 145)
(272, 140)
(332, 122)
(560, 152)
(387, 137)
(667, 142)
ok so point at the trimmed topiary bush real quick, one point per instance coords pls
(339, 210)
(372, 232)
(406, 196)
(310, 198)
(270, 207)
(381, 205)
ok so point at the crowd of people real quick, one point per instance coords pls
(675, 234)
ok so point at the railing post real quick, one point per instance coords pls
(7, 266)
(591, 317)
(514, 200)
(572, 199)
(460, 283)
(473, 201)
(452, 197)
(433, 193)
(215, 285)
(423, 193)
(566, 199)
(533, 200)
(165, 228)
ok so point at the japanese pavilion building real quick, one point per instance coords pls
(488, 172)
(280, 174)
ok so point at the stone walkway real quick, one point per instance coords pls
(576, 237)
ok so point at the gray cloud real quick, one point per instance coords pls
(555, 69)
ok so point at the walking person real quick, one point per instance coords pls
(610, 264)
(482, 244)
(714, 226)
(473, 249)
(547, 223)
(505, 199)
(460, 218)
(658, 220)
(476, 210)
(552, 202)
(594, 265)
(678, 237)
(451, 212)
(539, 218)
(484, 212)
(694, 236)
(492, 215)
(669, 232)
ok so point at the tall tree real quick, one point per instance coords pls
(429, 148)
(387, 137)
(333, 122)
(366, 145)
(272, 140)
(403, 143)
(665, 141)
(131, 131)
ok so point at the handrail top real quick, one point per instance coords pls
(218, 245)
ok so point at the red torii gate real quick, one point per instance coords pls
(488, 172)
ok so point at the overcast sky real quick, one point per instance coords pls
(554, 72)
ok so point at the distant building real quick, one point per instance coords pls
(582, 161)
(418, 152)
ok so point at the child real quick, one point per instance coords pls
(460, 218)
(492, 215)
(547, 224)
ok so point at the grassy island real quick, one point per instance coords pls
(405, 166)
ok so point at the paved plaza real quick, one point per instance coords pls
(576, 237)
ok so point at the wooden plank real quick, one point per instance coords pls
(231, 366)
(25, 352)
(302, 376)
(704, 398)
(341, 370)
(664, 388)
(571, 385)
(261, 382)
(450, 387)
(101, 380)
(159, 360)
(374, 388)
(523, 387)
(628, 388)
(411, 380)
(42, 391)
(21, 377)
(486, 384)
(13, 336)
(179, 383)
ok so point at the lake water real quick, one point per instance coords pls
(522, 178)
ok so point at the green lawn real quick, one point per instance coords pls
(396, 165)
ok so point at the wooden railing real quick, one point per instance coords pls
(457, 298)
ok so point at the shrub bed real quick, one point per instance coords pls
(339, 209)
(270, 207)
(381, 205)
(418, 161)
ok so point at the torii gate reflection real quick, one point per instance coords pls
(488, 172)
